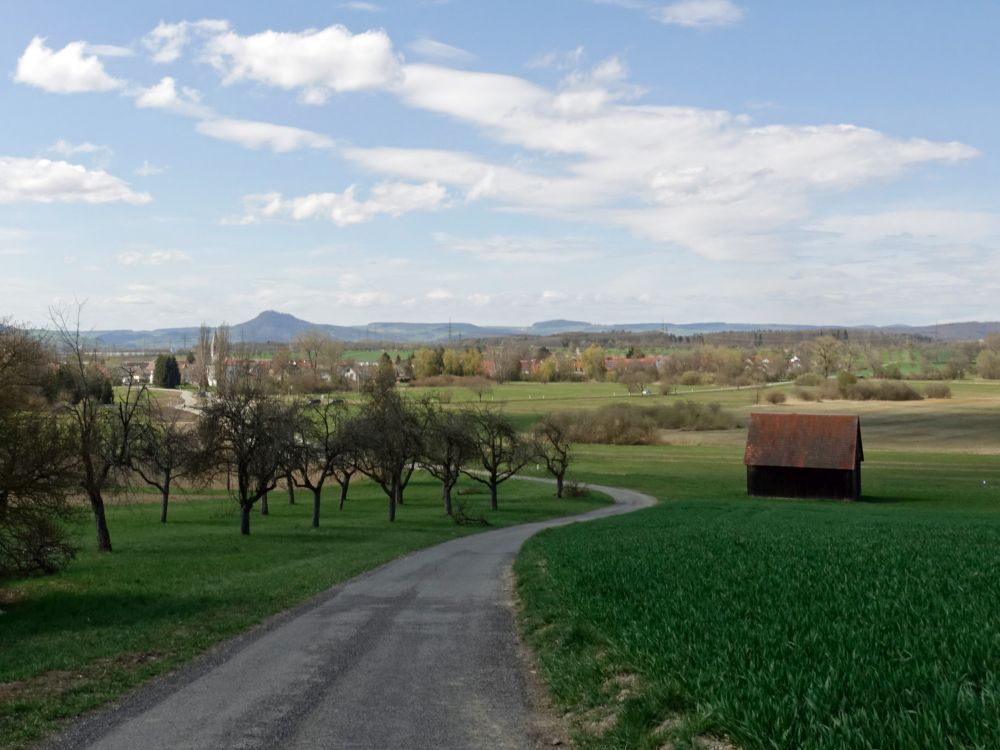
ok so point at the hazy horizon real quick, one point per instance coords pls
(608, 161)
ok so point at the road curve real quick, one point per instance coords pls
(419, 653)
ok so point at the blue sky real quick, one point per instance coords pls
(615, 161)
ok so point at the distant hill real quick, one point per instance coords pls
(279, 327)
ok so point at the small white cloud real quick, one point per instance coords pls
(439, 294)
(99, 156)
(256, 135)
(317, 62)
(46, 181)
(440, 51)
(166, 95)
(556, 60)
(363, 7)
(699, 13)
(107, 50)
(71, 70)
(149, 170)
(478, 299)
(344, 209)
(167, 41)
(152, 258)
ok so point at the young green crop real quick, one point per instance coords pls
(777, 624)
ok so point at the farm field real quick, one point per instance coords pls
(779, 623)
(78, 639)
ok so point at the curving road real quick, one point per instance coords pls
(420, 653)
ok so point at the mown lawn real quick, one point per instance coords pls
(78, 639)
(775, 623)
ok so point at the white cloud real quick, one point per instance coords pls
(556, 60)
(520, 249)
(919, 224)
(709, 181)
(253, 134)
(439, 295)
(478, 299)
(45, 181)
(434, 49)
(107, 50)
(167, 41)
(165, 95)
(314, 62)
(65, 148)
(73, 69)
(152, 258)
(699, 13)
(363, 7)
(344, 209)
(149, 170)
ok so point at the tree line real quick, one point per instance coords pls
(69, 441)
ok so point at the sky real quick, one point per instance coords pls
(610, 161)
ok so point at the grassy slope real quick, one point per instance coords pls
(776, 623)
(72, 641)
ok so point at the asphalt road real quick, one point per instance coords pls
(420, 653)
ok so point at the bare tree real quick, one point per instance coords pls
(448, 445)
(827, 353)
(552, 445)
(203, 357)
(221, 352)
(103, 434)
(389, 438)
(166, 449)
(248, 431)
(320, 350)
(318, 448)
(500, 450)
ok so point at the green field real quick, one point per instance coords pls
(774, 623)
(75, 640)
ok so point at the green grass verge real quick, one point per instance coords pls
(775, 624)
(75, 640)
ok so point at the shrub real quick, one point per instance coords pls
(845, 380)
(882, 390)
(776, 397)
(803, 395)
(807, 379)
(891, 372)
(691, 377)
(937, 390)
(623, 424)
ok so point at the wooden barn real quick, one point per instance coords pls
(804, 455)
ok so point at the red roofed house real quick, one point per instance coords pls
(804, 455)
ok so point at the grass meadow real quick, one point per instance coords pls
(75, 640)
(714, 620)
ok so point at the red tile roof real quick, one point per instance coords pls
(817, 441)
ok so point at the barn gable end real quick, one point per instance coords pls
(804, 455)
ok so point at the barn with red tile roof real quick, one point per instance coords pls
(804, 455)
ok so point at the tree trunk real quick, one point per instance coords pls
(393, 494)
(559, 484)
(493, 494)
(101, 522)
(291, 489)
(264, 510)
(317, 491)
(165, 491)
(343, 490)
(245, 520)
(446, 494)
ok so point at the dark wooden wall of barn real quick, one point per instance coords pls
(782, 481)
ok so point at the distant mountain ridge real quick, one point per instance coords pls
(272, 326)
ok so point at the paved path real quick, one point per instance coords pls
(420, 653)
